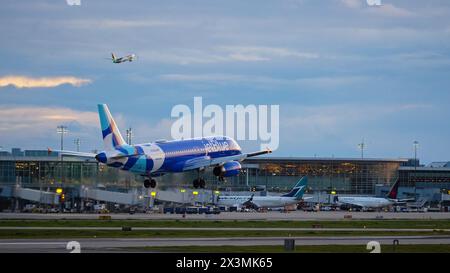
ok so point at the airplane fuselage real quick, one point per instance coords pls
(366, 202)
(221, 153)
(128, 58)
(260, 201)
(168, 156)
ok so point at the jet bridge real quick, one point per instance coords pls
(136, 197)
(110, 196)
(43, 197)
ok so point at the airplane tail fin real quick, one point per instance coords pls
(394, 190)
(111, 135)
(113, 57)
(299, 189)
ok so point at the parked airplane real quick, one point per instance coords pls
(153, 159)
(128, 58)
(255, 202)
(372, 202)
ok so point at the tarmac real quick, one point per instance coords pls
(136, 244)
(267, 216)
(227, 229)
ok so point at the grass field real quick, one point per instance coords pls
(349, 223)
(298, 249)
(15, 234)
(435, 225)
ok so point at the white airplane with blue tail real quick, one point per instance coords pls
(256, 202)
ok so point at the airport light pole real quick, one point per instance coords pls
(77, 142)
(361, 146)
(331, 178)
(415, 145)
(61, 129)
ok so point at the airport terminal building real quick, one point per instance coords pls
(343, 175)
(37, 169)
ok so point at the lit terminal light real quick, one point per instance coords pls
(183, 190)
(59, 190)
(153, 193)
(195, 192)
(217, 192)
(333, 192)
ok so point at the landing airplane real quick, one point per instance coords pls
(373, 202)
(154, 159)
(256, 202)
(128, 58)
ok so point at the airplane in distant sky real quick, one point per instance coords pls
(153, 159)
(256, 202)
(128, 58)
(373, 202)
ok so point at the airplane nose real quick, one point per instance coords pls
(101, 157)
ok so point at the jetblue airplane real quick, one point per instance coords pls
(373, 202)
(256, 202)
(154, 159)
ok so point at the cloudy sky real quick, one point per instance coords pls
(340, 70)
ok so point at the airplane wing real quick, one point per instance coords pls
(404, 200)
(89, 155)
(207, 161)
(71, 153)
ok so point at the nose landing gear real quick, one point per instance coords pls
(199, 183)
(149, 183)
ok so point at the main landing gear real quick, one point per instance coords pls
(149, 183)
(199, 182)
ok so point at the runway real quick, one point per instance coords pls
(267, 216)
(227, 229)
(123, 244)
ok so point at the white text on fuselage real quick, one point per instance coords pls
(216, 146)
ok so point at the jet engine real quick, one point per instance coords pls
(228, 169)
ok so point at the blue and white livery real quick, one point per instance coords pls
(221, 153)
